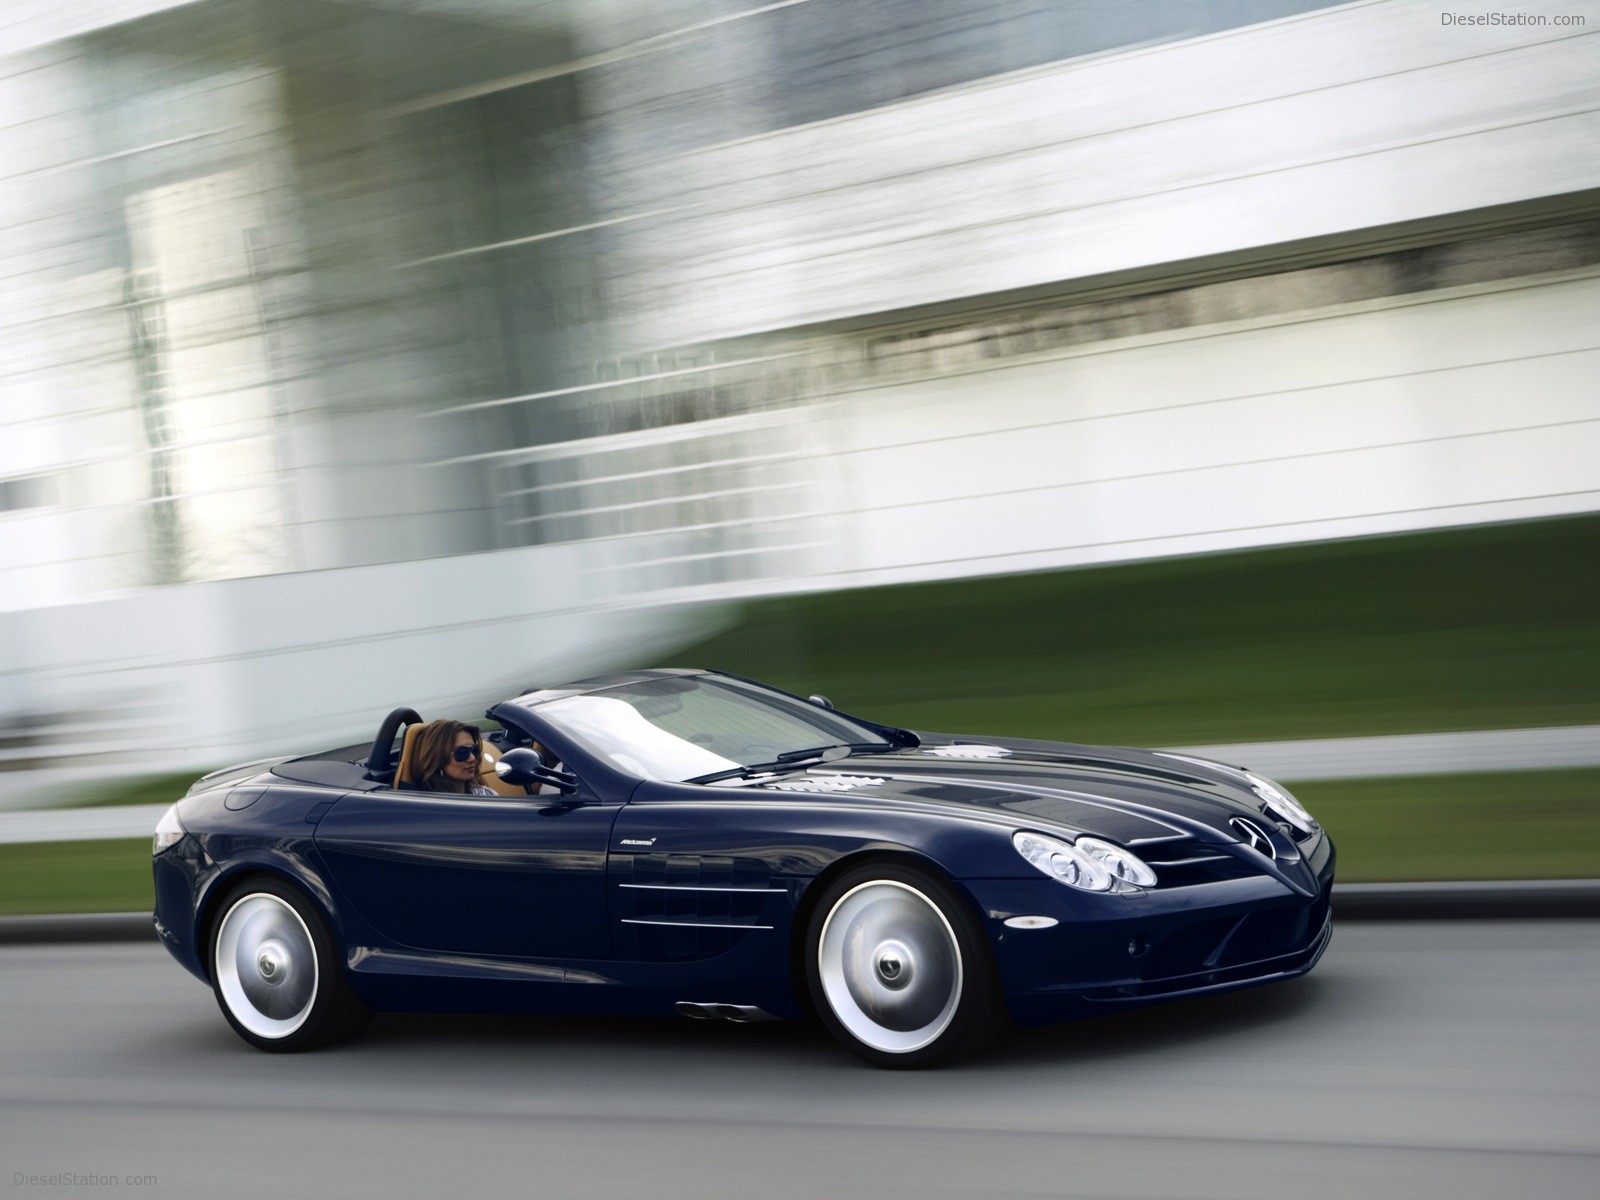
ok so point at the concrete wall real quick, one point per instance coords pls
(962, 448)
(1455, 408)
(191, 677)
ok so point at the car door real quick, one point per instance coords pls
(462, 874)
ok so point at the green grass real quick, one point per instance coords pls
(1515, 825)
(1509, 825)
(1486, 628)
(68, 877)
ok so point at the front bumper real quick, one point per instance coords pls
(1110, 952)
(176, 872)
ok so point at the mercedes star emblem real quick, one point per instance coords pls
(1254, 836)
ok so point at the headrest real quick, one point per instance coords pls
(408, 750)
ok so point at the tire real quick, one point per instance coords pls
(899, 970)
(276, 970)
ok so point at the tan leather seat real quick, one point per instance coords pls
(408, 755)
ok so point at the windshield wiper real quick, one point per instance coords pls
(794, 758)
(829, 753)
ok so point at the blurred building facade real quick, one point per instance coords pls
(413, 346)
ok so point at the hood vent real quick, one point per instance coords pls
(972, 750)
(826, 783)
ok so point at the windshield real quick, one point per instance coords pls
(683, 727)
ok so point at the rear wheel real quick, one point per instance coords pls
(899, 969)
(276, 973)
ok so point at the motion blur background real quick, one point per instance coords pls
(1163, 374)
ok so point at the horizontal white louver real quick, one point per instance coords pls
(826, 783)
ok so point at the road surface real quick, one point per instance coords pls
(1429, 1059)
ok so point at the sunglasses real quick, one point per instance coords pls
(465, 753)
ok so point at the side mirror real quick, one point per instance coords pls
(523, 768)
(820, 701)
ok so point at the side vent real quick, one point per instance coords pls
(680, 908)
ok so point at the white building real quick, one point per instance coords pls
(421, 347)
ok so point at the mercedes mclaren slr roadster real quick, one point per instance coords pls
(692, 842)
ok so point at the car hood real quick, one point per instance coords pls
(1121, 794)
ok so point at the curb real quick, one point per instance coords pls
(1542, 899)
(1531, 898)
(78, 927)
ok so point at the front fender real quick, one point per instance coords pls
(269, 834)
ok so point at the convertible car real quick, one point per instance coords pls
(693, 842)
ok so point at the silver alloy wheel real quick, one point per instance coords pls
(890, 966)
(266, 965)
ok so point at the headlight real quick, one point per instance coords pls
(169, 831)
(1088, 863)
(1281, 802)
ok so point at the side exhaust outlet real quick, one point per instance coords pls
(744, 1014)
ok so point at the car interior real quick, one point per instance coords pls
(405, 779)
(402, 777)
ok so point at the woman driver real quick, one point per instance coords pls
(446, 759)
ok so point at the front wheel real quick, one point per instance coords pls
(276, 973)
(899, 969)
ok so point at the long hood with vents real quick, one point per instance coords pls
(1124, 795)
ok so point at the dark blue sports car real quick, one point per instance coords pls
(695, 842)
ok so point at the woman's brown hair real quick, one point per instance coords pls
(435, 742)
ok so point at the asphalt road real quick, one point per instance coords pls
(1430, 1059)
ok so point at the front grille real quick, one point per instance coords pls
(1268, 933)
(1221, 975)
(1301, 837)
(1183, 863)
(1187, 949)
(1210, 943)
